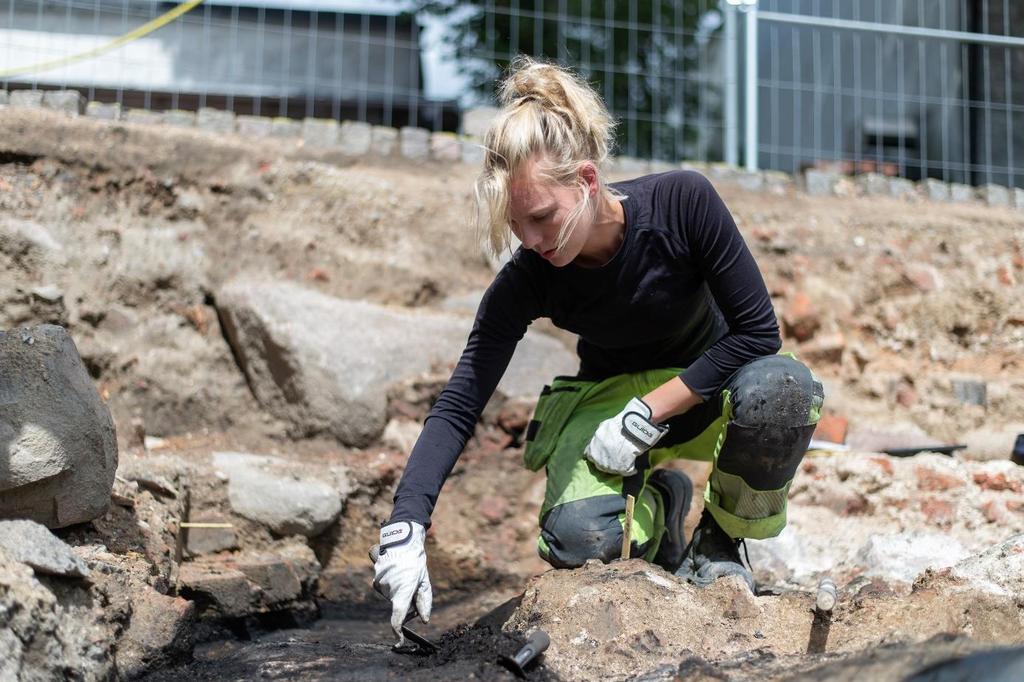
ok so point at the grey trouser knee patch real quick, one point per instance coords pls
(585, 529)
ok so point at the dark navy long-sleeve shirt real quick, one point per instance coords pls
(682, 291)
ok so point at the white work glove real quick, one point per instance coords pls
(400, 572)
(620, 440)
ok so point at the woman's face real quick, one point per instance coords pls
(538, 208)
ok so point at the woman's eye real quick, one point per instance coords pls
(542, 218)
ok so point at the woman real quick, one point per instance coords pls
(677, 343)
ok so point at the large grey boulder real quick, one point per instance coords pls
(33, 544)
(270, 490)
(325, 364)
(58, 450)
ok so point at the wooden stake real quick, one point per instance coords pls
(627, 527)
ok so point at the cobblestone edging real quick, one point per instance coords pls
(355, 138)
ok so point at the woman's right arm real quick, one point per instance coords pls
(510, 304)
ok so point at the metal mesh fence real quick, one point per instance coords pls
(836, 83)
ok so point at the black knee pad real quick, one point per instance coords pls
(771, 422)
(773, 391)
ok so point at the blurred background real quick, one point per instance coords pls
(911, 88)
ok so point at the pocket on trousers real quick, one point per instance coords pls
(554, 408)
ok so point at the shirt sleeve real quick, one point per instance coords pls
(510, 304)
(727, 266)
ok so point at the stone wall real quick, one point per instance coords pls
(358, 139)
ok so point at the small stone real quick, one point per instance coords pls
(142, 117)
(961, 193)
(319, 133)
(476, 121)
(253, 126)
(820, 183)
(32, 99)
(750, 181)
(414, 143)
(873, 184)
(995, 195)
(215, 120)
(281, 126)
(825, 349)
(383, 140)
(800, 319)
(445, 147)
(831, 428)
(108, 111)
(936, 190)
(354, 138)
(33, 544)
(901, 188)
(70, 102)
(472, 152)
(179, 118)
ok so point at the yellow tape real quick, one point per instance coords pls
(135, 34)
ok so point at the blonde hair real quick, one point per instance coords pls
(549, 112)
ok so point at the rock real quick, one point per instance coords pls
(383, 141)
(4, 98)
(154, 259)
(160, 633)
(319, 133)
(210, 540)
(777, 182)
(215, 120)
(832, 428)
(253, 126)
(108, 111)
(476, 121)
(800, 319)
(901, 188)
(355, 138)
(46, 637)
(33, 544)
(26, 98)
(999, 570)
(334, 379)
(936, 190)
(901, 557)
(750, 181)
(473, 152)
(995, 195)
(873, 184)
(218, 590)
(961, 193)
(56, 435)
(824, 349)
(141, 117)
(29, 246)
(445, 147)
(267, 490)
(69, 102)
(401, 434)
(284, 127)
(414, 143)
(820, 183)
(179, 118)
(924, 276)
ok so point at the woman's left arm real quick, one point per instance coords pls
(671, 398)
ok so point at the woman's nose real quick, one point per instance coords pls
(531, 237)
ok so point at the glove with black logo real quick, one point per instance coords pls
(400, 572)
(620, 440)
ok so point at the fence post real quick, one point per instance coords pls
(751, 86)
(732, 143)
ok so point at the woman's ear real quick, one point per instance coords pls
(588, 177)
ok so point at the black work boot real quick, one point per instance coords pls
(712, 554)
(676, 492)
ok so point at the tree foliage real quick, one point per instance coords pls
(642, 57)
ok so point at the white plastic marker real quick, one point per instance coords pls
(827, 597)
